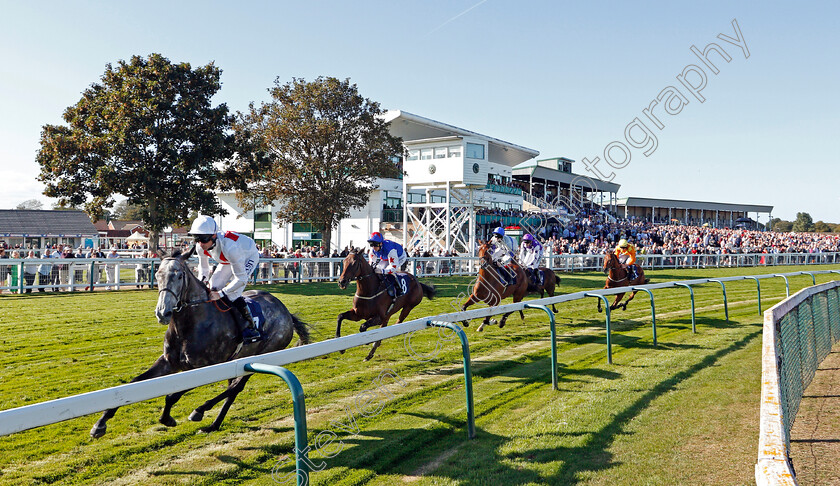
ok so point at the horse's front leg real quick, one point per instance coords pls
(352, 315)
(160, 368)
(165, 417)
(384, 321)
(624, 305)
(615, 304)
(472, 300)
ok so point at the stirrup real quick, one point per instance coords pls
(250, 335)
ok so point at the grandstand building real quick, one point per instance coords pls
(696, 213)
(459, 184)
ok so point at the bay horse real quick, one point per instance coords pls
(199, 333)
(491, 289)
(617, 277)
(371, 301)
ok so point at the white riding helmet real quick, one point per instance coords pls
(203, 225)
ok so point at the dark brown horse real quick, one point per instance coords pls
(491, 289)
(199, 333)
(372, 302)
(617, 277)
(550, 282)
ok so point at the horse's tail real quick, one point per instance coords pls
(428, 290)
(302, 330)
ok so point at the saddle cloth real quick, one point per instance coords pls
(403, 280)
(256, 312)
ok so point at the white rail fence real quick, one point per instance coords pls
(798, 334)
(87, 274)
(53, 411)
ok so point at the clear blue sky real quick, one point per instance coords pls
(564, 78)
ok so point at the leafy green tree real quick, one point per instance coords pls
(30, 204)
(124, 210)
(822, 227)
(803, 223)
(148, 132)
(316, 149)
(782, 226)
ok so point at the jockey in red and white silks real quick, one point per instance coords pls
(386, 257)
(238, 256)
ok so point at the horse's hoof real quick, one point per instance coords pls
(501, 324)
(206, 430)
(168, 421)
(196, 416)
(366, 359)
(98, 431)
(466, 323)
(342, 351)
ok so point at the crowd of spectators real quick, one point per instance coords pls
(593, 235)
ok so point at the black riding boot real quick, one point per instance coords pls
(394, 284)
(250, 333)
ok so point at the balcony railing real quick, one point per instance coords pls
(503, 189)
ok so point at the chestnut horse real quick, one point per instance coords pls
(490, 288)
(372, 302)
(617, 277)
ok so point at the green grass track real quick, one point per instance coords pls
(682, 412)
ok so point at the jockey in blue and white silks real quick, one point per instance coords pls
(502, 253)
(386, 257)
(530, 256)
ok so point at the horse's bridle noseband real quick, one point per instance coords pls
(179, 299)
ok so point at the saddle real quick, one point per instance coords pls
(256, 312)
(507, 275)
(403, 281)
(537, 279)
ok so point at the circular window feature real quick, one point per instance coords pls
(432, 168)
(475, 168)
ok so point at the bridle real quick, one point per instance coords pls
(359, 278)
(181, 301)
(608, 258)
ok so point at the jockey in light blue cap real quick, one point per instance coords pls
(502, 254)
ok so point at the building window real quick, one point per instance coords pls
(413, 154)
(426, 154)
(440, 152)
(454, 152)
(475, 151)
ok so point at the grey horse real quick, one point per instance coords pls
(200, 333)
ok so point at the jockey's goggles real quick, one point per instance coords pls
(203, 238)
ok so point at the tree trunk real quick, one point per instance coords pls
(326, 237)
(154, 236)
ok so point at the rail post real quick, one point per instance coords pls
(92, 277)
(758, 288)
(813, 279)
(465, 349)
(652, 309)
(299, 409)
(787, 285)
(607, 311)
(691, 293)
(725, 303)
(553, 328)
